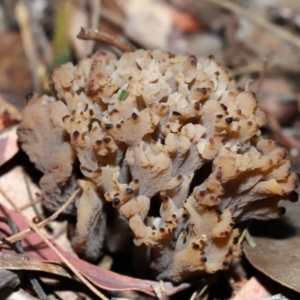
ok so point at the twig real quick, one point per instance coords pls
(21, 235)
(276, 30)
(39, 215)
(262, 74)
(50, 245)
(97, 35)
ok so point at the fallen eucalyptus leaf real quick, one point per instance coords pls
(277, 247)
(36, 249)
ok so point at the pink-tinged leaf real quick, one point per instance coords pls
(8, 144)
(36, 249)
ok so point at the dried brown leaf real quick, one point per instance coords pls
(277, 248)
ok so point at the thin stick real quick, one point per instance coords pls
(276, 30)
(38, 214)
(21, 235)
(50, 245)
(262, 74)
(96, 35)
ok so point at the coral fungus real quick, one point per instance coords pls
(165, 141)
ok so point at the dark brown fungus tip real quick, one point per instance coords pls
(116, 201)
(203, 193)
(204, 259)
(174, 216)
(197, 106)
(28, 97)
(165, 199)
(223, 106)
(225, 263)
(98, 142)
(193, 58)
(136, 181)
(202, 252)
(129, 191)
(118, 126)
(162, 230)
(108, 126)
(219, 116)
(184, 216)
(211, 57)
(202, 90)
(91, 112)
(249, 123)
(217, 73)
(195, 246)
(134, 116)
(282, 211)
(179, 177)
(65, 118)
(226, 232)
(231, 224)
(75, 135)
(239, 111)
(107, 140)
(176, 113)
(229, 120)
(219, 175)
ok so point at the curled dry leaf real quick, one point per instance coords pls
(277, 248)
(37, 250)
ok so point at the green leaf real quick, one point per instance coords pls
(123, 95)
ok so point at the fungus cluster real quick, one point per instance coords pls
(162, 144)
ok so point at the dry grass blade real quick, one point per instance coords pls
(21, 235)
(237, 9)
(97, 35)
(23, 17)
(24, 264)
(50, 245)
